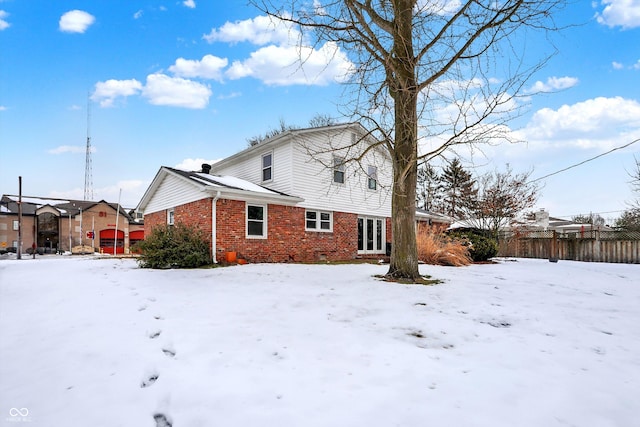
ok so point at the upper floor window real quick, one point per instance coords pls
(16, 225)
(372, 178)
(256, 221)
(318, 221)
(267, 167)
(338, 169)
(170, 216)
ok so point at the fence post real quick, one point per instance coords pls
(553, 251)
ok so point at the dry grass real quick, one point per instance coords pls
(438, 249)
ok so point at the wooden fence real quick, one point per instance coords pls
(593, 246)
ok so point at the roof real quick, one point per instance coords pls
(423, 214)
(31, 204)
(219, 185)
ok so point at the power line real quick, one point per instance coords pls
(586, 161)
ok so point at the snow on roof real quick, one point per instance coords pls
(38, 200)
(231, 181)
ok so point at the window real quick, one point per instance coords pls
(372, 178)
(170, 216)
(338, 170)
(16, 225)
(319, 221)
(256, 221)
(267, 167)
(371, 235)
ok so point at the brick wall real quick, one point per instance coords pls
(287, 240)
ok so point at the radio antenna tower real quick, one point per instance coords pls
(88, 178)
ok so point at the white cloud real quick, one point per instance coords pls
(70, 149)
(76, 21)
(107, 92)
(599, 122)
(176, 92)
(553, 84)
(191, 4)
(617, 65)
(210, 67)
(193, 164)
(260, 30)
(636, 66)
(138, 14)
(620, 13)
(282, 66)
(3, 108)
(438, 7)
(3, 21)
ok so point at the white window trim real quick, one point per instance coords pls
(383, 247)
(264, 221)
(262, 167)
(16, 225)
(341, 168)
(372, 177)
(318, 221)
(171, 216)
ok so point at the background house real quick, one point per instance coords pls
(293, 197)
(57, 225)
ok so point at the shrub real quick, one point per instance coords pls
(481, 248)
(177, 246)
(439, 249)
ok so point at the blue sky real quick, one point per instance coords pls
(176, 83)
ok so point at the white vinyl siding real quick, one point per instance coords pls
(172, 192)
(298, 174)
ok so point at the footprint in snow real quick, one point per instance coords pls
(169, 352)
(155, 334)
(142, 307)
(162, 421)
(149, 380)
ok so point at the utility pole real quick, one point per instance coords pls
(19, 250)
(88, 173)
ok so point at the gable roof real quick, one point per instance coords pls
(228, 187)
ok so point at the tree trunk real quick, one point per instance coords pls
(404, 91)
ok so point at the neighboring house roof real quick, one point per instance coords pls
(215, 185)
(425, 215)
(31, 204)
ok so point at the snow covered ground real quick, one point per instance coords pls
(100, 342)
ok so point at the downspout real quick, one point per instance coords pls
(214, 249)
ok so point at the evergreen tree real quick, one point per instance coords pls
(429, 190)
(458, 187)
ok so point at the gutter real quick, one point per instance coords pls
(214, 249)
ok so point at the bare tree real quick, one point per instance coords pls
(501, 198)
(432, 72)
(283, 127)
(593, 219)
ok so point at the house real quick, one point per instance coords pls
(428, 220)
(59, 225)
(293, 197)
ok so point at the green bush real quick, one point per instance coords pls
(481, 248)
(177, 246)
